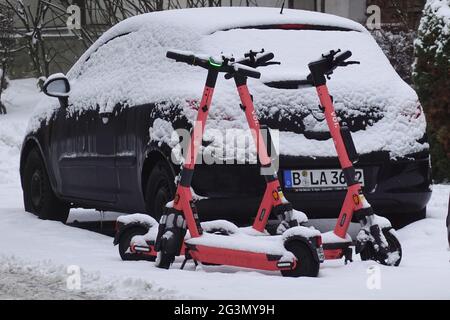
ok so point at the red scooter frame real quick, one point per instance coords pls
(183, 196)
(273, 198)
(354, 199)
(355, 204)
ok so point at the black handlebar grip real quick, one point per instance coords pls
(180, 57)
(342, 57)
(247, 72)
(265, 58)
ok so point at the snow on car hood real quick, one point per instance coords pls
(127, 65)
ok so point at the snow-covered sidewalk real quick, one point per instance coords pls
(37, 257)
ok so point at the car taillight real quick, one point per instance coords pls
(414, 114)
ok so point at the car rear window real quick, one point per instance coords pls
(293, 26)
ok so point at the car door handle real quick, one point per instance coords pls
(105, 116)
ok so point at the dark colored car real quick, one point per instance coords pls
(108, 142)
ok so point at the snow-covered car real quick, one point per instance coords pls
(108, 142)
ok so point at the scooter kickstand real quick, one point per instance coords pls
(348, 255)
(184, 263)
(187, 257)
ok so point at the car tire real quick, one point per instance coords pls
(400, 220)
(160, 189)
(306, 266)
(38, 195)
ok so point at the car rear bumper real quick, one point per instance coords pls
(391, 186)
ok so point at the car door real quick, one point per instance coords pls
(83, 149)
(85, 137)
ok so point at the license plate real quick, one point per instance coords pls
(318, 179)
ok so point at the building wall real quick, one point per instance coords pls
(353, 9)
(412, 9)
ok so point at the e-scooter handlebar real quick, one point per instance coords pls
(255, 59)
(188, 58)
(228, 66)
(258, 59)
(246, 71)
(340, 59)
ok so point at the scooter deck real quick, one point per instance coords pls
(250, 248)
(245, 240)
(241, 241)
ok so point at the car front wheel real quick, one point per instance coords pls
(39, 197)
(160, 189)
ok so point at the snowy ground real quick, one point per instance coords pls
(38, 258)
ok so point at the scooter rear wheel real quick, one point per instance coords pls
(307, 265)
(369, 253)
(124, 245)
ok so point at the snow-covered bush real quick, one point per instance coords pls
(398, 46)
(432, 79)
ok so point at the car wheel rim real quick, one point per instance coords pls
(36, 189)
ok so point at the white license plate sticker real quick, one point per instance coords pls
(318, 179)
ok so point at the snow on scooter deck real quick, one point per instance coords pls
(244, 240)
(228, 236)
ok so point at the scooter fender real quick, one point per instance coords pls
(125, 227)
(307, 241)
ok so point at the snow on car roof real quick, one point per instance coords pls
(209, 20)
(127, 65)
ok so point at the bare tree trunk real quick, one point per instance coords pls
(2, 85)
(6, 42)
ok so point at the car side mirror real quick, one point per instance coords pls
(57, 85)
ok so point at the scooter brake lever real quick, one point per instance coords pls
(331, 54)
(269, 63)
(349, 63)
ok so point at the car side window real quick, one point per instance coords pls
(86, 64)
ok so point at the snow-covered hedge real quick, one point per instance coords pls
(398, 46)
(431, 76)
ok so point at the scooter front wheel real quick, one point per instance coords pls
(163, 261)
(306, 265)
(394, 250)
